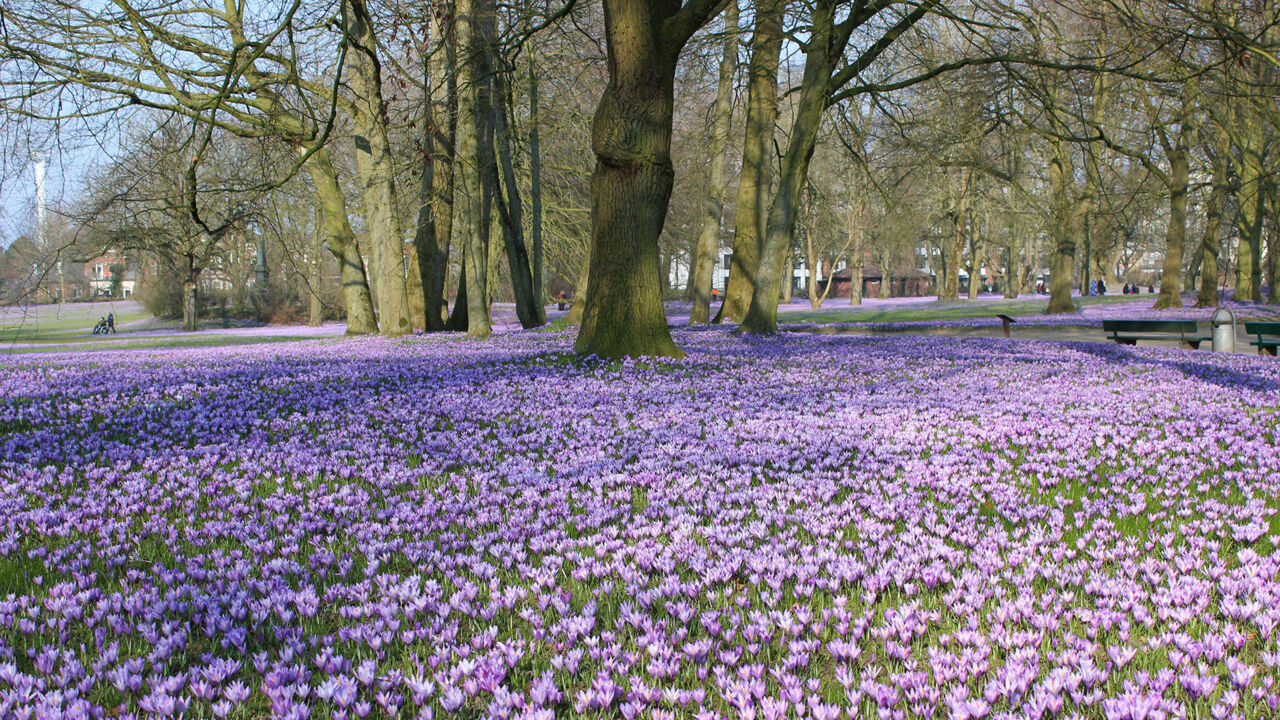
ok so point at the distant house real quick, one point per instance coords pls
(100, 270)
(903, 282)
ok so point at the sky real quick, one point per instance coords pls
(64, 169)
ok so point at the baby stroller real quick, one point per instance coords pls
(101, 327)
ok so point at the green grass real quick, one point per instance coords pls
(47, 324)
(179, 341)
(941, 310)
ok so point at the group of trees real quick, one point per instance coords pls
(439, 150)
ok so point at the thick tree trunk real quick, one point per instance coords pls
(415, 291)
(631, 185)
(376, 169)
(580, 293)
(762, 315)
(474, 230)
(757, 163)
(708, 247)
(314, 267)
(630, 189)
(1175, 236)
(341, 241)
(458, 320)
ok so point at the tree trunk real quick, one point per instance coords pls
(535, 194)
(975, 259)
(757, 162)
(1190, 277)
(1273, 245)
(762, 315)
(631, 186)
(475, 230)
(814, 264)
(415, 291)
(376, 169)
(580, 293)
(190, 311)
(1064, 226)
(1013, 267)
(953, 251)
(529, 308)
(1175, 235)
(857, 251)
(435, 193)
(341, 241)
(315, 266)
(458, 320)
(1211, 245)
(1249, 251)
(708, 247)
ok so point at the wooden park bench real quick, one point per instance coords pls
(1261, 331)
(1129, 332)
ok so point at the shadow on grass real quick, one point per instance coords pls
(1213, 373)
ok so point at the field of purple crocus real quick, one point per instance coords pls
(815, 527)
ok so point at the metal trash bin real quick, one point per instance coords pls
(1224, 330)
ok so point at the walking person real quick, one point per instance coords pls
(111, 323)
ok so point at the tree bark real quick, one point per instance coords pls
(1252, 175)
(529, 309)
(762, 315)
(315, 317)
(1211, 245)
(953, 251)
(1175, 235)
(415, 290)
(708, 247)
(435, 193)
(1273, 245)
(1013, 266)
(499, 170)
(535, 194)
(757, 164)
(341, 241)
(376, 168)
(1192, 274)
(458, 320)
(580, 293)
(475, 229)
(190, 311)
(975, 258)
(631, 186)
(1065, 223)
(857, 248)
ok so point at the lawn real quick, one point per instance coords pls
(61, 323)
(951, 310)
(805, 526)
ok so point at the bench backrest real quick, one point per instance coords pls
(1262, 328)
(1169, 326)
